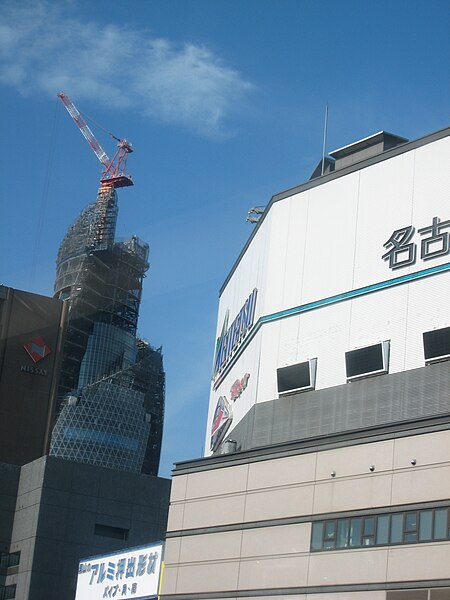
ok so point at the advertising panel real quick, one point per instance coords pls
(131, 574)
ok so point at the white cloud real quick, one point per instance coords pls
(45, 47)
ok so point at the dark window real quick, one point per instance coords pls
(297, 377)
(367, 361)
(410, 527)
(426, 519)
(317, 536)
(355, 532)
(383, 529)
(436, 344)
(111, 532)
(329, 538)
(440, 524)
(369, 531)
(7, 592)
(342, 533)
(397, 528)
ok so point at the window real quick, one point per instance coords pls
(369, 531)
(330, 534)
(440, 524)
(317, 536)
(426, 519)
(355, 533)
(297, 378)
(409, 527)
(116, 533)
(410, 534)
(436, 345)
(371, 360)
(342, 533)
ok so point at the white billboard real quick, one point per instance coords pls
(131, 574)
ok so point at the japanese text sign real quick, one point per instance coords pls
(125, 575)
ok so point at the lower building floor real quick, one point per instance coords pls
(358, 515)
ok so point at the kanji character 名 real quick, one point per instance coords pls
(438, 242)
(402, 253)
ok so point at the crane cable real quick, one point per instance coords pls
(99, 126)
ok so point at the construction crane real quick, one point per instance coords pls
(113, 170)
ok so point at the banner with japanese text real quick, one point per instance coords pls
(131, 574)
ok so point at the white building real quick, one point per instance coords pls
(330, 387)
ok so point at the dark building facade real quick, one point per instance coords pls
(31, 336)
(53, 512)
(111, 390)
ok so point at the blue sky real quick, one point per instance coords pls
(223, 101)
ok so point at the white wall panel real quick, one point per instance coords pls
(278, 243)
(432, 184)
(296, 250)
(323, 334)
(385, 204)
(330, 238)
(428, 309)
(379, 317)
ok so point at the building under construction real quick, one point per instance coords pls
(111, 392)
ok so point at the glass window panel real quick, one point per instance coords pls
(426, 519)
(342, 533)
(410, 527)
(396, 528)
(440, 524)
(355, 532)
(383, 529)
(369, 531)
(317, 536)
(369, 526)
(411, 521)
(330, 530)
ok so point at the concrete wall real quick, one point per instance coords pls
(241, 530)
(9, 481)
(58, 505)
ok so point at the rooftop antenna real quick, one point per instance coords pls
(324, 137)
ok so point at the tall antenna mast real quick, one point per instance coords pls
(324, 137)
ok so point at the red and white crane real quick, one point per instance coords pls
(113, 170)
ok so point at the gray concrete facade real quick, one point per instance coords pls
(407, 396)
(65, 511)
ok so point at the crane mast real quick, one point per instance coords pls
(113, 170)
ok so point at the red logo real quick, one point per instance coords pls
(238, 387)
(222, 418)
(37, 349)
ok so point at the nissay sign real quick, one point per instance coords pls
(231, 337)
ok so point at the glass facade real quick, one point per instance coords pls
(111, 389)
